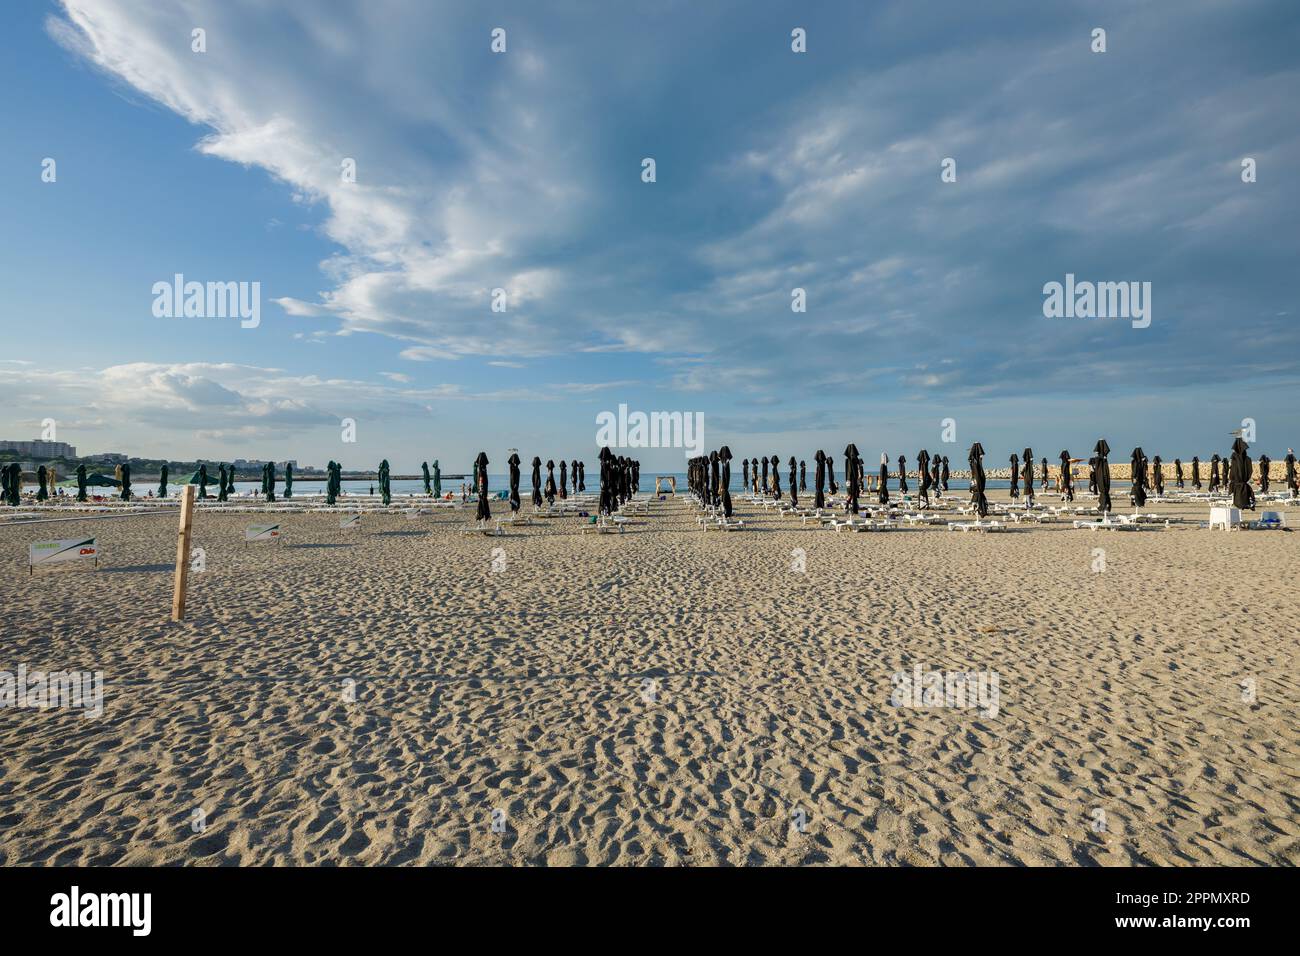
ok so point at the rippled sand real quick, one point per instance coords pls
(663, 696)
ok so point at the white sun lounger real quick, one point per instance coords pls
(976, 526)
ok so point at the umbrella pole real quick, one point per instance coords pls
(183, 553)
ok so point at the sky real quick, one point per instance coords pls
(522, 170)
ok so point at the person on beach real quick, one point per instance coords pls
(1066, 481)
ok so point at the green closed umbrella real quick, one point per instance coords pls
(15, 483)
(203, 481)
(126, 482)
(437, 479)
(4, 483)
(222, 489)
(162, 481)
(385, 488)
(41, 493)
(81, 482)
(331, 482)
(424, 466)
(268, 482)
(288, 479)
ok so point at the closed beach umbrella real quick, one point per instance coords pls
(794, 485)
(424, 474)
(830, 475)
(203, 481)
(1264, 463)
(883, 495)
(819, 479)
(1157, 476)
(573, 476)
(1138, 476)
(1243, 496)
(803, 476)
(549, 494)
(1291, 481)
(81, 481)
(853, 485)
(935, 465)
(776, 478)
(1103, 475)
(230, 480)
(481, 476)
(977, 480)
(288, 479)
(162, 481)
(744, 472)
(1067, 481)
(582, 476)
(513, 462)
(1196, 473)
(1092, 474)
(437, 479)
(1178, 472)
(126, 481)
(1044, 479)
(385, 482)
(564, 479)
(330, 491)
(270, 481)
(902, 475)
(715, 479)
(753, 473)
(1214, 472)
(725, 455)
(923, 475)
(1028, 472)
(766, 486)
(537, 481)
(4, 483)
(223, 489)
(1015, 476)
(943, 477)
(41, 492)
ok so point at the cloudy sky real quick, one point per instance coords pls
(522, 170)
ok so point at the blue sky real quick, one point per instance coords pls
(522, 171)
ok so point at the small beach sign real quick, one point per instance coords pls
(350, 521)
(66, 549)
(261, 532)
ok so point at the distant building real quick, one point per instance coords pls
(108, 458)
(40, 449)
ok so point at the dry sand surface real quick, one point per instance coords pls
(663, 696)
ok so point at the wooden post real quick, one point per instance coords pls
(183, 553)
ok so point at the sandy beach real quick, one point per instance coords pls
(663, 696)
